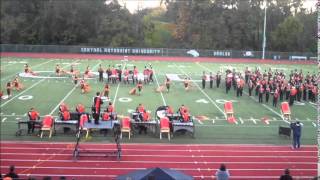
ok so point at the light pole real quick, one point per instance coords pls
(264, 30)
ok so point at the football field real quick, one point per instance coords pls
(47, 91)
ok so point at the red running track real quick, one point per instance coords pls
(38, 159)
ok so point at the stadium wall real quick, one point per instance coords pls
(155, 52)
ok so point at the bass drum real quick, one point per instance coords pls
(161, 112)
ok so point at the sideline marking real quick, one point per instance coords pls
(4, 119)
(204, 93)
(253, 120)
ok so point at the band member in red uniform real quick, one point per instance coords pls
(63, 107)
(261, 91)
(114, 74)
(106, 90)
(139, 86)
(80, 108)
(17, 84)
(126, 76)
(97, 102)
(268, 90)
(146, 75)
(151, 74)
(111, 111)
(33, 116)
(204, 78)
(293, 93)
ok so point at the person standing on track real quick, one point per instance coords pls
(296, 130)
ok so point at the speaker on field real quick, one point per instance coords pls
(286, 131)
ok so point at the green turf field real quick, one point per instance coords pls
(46, 94)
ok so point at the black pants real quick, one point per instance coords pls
(100, 77)
(218, 83)
(260, 98)
(31, 125)
(267, 97)
(203, 84)
(250, 91)
(275, 101)
(96, 117)
(142, 128)
(211, 84)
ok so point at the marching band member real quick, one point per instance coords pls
(114, 75)
(106, 90)
(218, 79)
(146, 75)
(33, 116)
(186, 83)
(151, 74)
(100, 71)
(17, 84)
(80, 108)
(126, 75)
(211, 80)
(9, 89)
(135, 74)
(139, 86)
(167, 83)
(204, 78)
(97, 102)
(85, 87)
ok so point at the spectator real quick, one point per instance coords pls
(286, 175)
(11, 173)
(222, 173)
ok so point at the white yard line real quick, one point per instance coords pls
(204, 93)
(12, 98)
(3, 119)
(7, 77)
(253, 120)
(164, 101)
(240, 119)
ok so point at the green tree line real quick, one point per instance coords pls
(198, 24)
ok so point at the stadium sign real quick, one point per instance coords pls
(135, 51)
(221, 53)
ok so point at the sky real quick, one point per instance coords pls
(134, 5)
